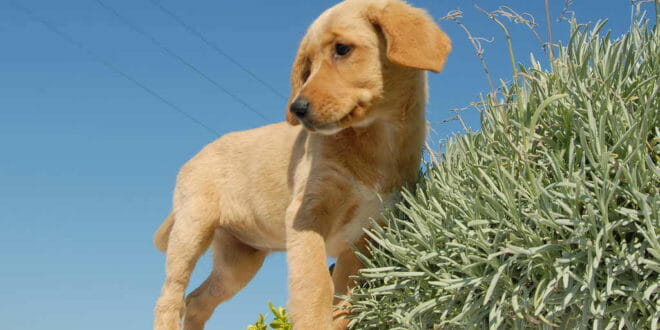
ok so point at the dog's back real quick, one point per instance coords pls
(238, 173)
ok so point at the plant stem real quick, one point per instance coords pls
(549, 24)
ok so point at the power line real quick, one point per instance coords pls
(110, 65)
(169, 52)
(217, 49)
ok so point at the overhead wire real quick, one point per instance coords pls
(181, 60)
(111, 66)
(217, 49)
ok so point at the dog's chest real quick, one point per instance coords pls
(355, 217)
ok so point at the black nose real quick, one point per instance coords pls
(299, 107)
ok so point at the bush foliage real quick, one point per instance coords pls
(280, 320)
(546, 217)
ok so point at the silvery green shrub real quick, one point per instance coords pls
(547, 217)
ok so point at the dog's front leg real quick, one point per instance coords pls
(310, 284)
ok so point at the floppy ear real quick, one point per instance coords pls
(413, 38)
(299, 73)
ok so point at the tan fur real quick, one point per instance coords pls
(162, 235)
(309, 191)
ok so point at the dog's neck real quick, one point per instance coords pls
(386, 153)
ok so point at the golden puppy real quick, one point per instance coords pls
(359, 90)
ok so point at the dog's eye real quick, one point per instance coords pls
(342, 49)
(305, 75)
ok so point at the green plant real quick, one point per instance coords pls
(281, 321)
(549, 216)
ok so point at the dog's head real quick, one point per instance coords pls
(342, 63)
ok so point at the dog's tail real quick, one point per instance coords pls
(162, 235)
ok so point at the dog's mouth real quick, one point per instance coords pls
(355, 116)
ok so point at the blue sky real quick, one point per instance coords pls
(88, 159)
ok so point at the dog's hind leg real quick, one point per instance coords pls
(190, 237)
(348, 265)
(234, 265)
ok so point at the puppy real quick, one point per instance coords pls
(359, 90)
